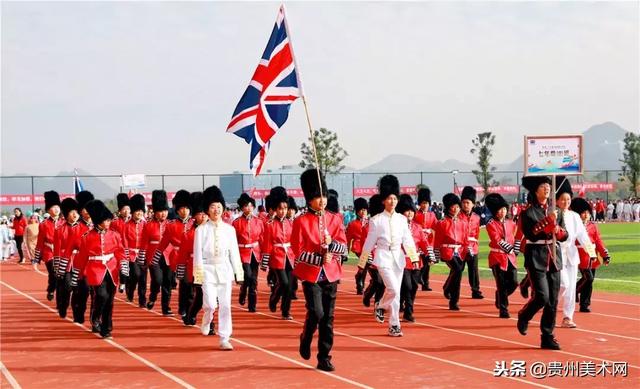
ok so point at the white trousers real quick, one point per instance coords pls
(212, 296)
(568, 279)
(390, 302)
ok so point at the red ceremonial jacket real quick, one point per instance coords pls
(100, 252)
(502, 243)
(249, 231)
(354, 235)
(173, 234)
(276, 243)
(308, 245)
(63, 238)
(594, 236)
(451, 237)
(420, 241)
(151, 236)
(363, 238)
(427, 221)
(185, 255)
(132, 238)
(473, 230)
(46, 239)
(117, 225)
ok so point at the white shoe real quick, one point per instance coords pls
(568, 323)
(226, 345)
(204, 328)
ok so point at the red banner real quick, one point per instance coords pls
(27, 199)
(260, 194)
(357, 192)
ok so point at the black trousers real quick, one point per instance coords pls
(63, 294)
(294, 286)
(51, 279)
(282, 289)
(249, 288)
(79, 297)
(452, 284)
(408, 289)
(320, 301)
(506, 284)
(103, 305)
(185, 296)
(585, 287)
(474, 274)
(19, 240)
(137, 280)
(546, 286)
(196, 304)
(374, 289)
(161, 279)
(424, 271)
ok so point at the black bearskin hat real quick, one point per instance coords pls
(387, 186)
(68, 205)
(375, 205)
(424, 194)
(531, 183)
(180, 199)
(137, 203)
(405, 203)
(309, 185)
(195, 201)
(360, 203)
(450, 199)
(267, 203)
(212, 195)
(277, 196)
(245, 199)
(495, 201)
(579, 205)
(159, 200)
(123, 200)
(83, 198)
(292, 203)
(563, 186)
(332, 202)
(51, 198)
(98, 211)
(468, 193)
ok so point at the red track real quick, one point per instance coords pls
(442, 349)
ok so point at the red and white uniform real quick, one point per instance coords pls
(594, 236)
(249, 232)
(46, 239)
(276, 243)
(503, 246)
(63, 249)
(117, 225)
(420, 241)
(427, 220)
(185, 255)
(100, 252)
(354, 235)
(151, 236)
(452, 236)
(132, 237)
(174, 233)
(308, 244)
(473, 230)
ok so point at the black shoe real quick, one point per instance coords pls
(359, 291)
(366, 301)
(577, 297)
(95, 328)
(150, 305)
(167, 312)
(325, 365)
(454, 307)
(585, 309)
(62, 315)
(212, 331)
(504, 314)
(252, 309)
(242, 298)
(295, 297)
(524, 291)
(106, 335)
(78, 320)
(304, 349)
(523, 325)
(477, 295)
(549, 343)
(129, 299)
(409, 318)
(426, 288)
(50, 296)
(273, 305)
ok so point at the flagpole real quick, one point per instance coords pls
(304, 98)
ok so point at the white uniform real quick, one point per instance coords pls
(216, 260)
(571, 260)
(389, 233)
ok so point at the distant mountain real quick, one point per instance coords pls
(407, 163)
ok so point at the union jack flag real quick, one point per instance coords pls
(264, 106)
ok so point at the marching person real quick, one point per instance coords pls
(468, 201)
(570, 256)
(450, 246)
(292, 213)
(427, 221)
(102, 262)
(19, 224)
(63, 236)
(124, 213)
(376, 287)
(277, 255)
(159, 270)
(318, 241)
(504, 246)
(389, 233)
(216, 260)
(45, 246)
(588, 264)
(411, 274)
(175, 231)
(354, 237)
(542, 260)
(249, 230)
(132, 237)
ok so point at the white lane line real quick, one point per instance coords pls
(7, 374)
(111, 342)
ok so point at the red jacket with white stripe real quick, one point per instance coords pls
(46, 239)
(249, 232)
(100, 252)
(594, 236)
(173, 234)
(473, 230)
(503, 244)
(452, 236)
(276, 244)
(132, 238)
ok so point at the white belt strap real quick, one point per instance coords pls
(472, 239)
(248, 246)
(103, 258)
(283, 245)
(540, 242)
(452, 246)
(49, 245)
(154, 242)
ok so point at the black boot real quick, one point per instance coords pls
(305, 348)
(325, 364)
(523, 325)
(548, 342)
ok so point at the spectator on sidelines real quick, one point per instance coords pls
(626, 211)
(19, 224)
(5, 238)
(31, 237)
(610, 211)
(619, 208)
(636, 211)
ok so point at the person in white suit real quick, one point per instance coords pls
(389, 233)
(570, 256)
(216, 262)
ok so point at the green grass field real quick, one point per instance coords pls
(621, 276)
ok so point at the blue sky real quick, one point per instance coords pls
(149, 87)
